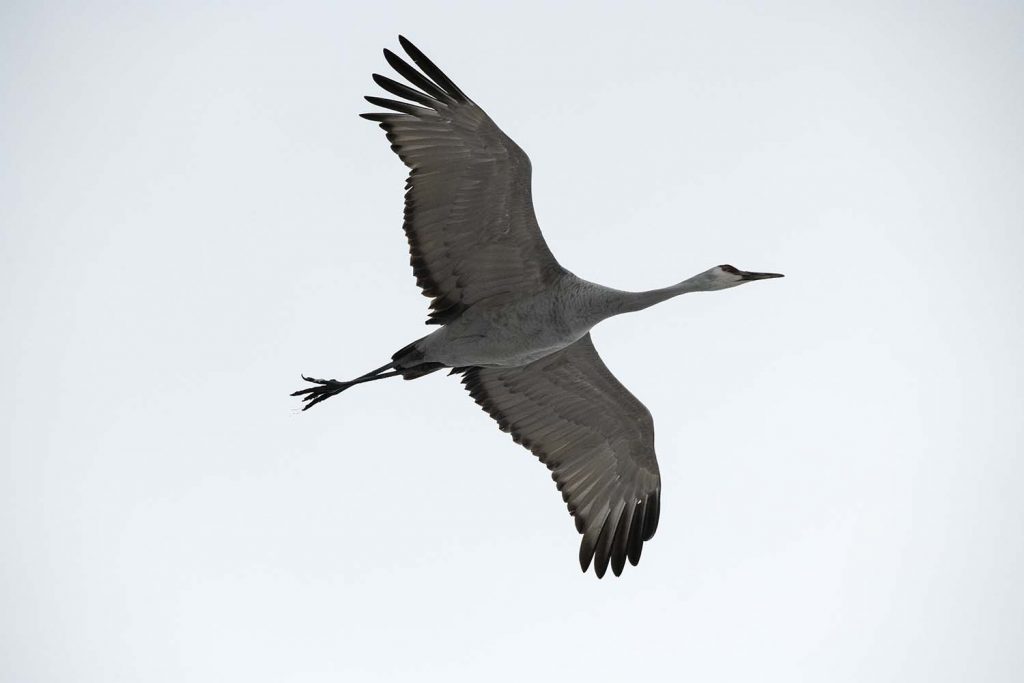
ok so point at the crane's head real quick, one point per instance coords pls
(723, 277)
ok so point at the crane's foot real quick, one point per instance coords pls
(324, 389)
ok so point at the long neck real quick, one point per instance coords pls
(637, 301)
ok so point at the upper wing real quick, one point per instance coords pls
(595, 437)
(468, 209)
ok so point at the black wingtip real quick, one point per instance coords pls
(432, 71)
(396, 88)
(400, 107)
(415, 77)
(586, 555)
(651, 514)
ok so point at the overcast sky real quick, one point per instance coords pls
(191, 214)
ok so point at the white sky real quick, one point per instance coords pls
(191, 214)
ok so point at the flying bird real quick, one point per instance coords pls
(513, 322)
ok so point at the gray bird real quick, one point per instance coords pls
(513, 322)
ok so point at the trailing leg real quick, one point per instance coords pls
(325, 388)
(408, 362)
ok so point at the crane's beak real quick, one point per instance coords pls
(758, 276)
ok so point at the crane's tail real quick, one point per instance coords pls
(407, 362)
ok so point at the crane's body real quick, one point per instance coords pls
(519, 331)
(513, 322)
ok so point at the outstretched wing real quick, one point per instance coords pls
(468, 209)
(595, 437)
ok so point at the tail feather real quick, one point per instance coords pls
(408, 360)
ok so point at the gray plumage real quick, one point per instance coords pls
(514, 323)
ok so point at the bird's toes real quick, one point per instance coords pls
(313, 400)
(323, 389)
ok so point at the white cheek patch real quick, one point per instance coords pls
(723, 280)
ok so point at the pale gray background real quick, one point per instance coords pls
(192, 215)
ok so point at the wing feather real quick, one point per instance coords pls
(595, 437)
(469, 215)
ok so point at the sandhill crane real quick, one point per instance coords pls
(513, 322)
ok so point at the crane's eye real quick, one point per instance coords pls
(729, 269)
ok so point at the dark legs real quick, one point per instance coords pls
(325, 388)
